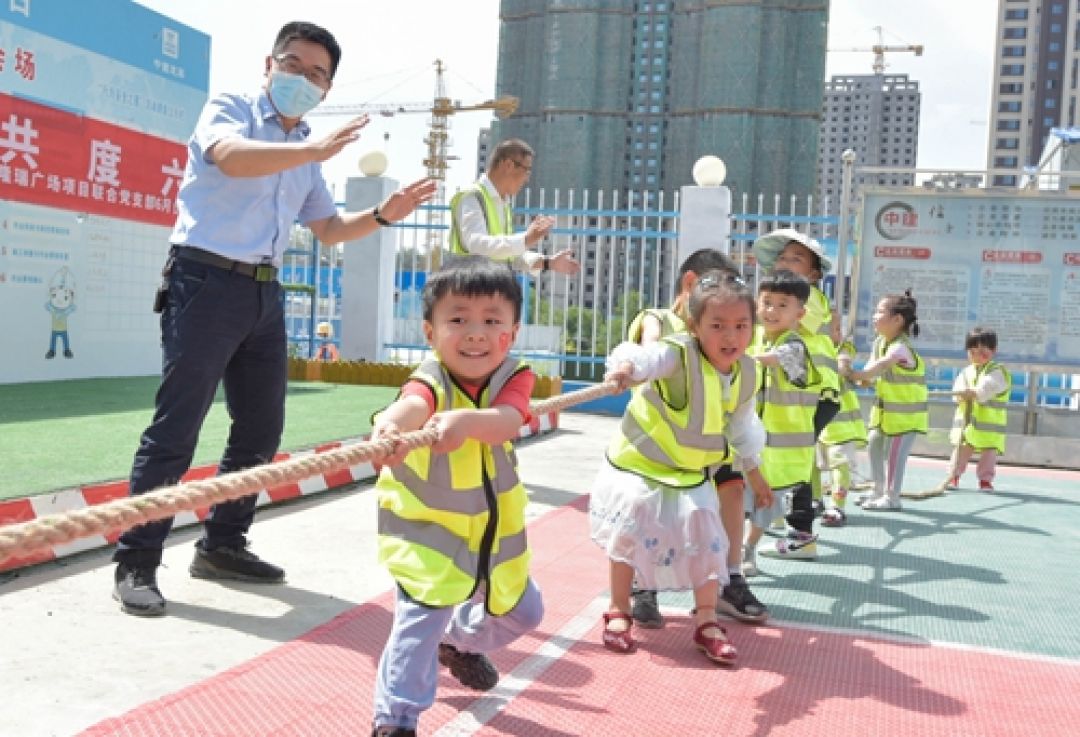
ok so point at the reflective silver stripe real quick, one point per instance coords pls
(822, 360)
(791, 398)
(691, 436)
(995, 404)
(791, 440)
(747, 379)
(430, 535)
(907, 408)
(510, 547)
(988, 426)
(825, 328)
(437, 493)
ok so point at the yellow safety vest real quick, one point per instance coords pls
(848, 424)
(787, 412)
(815, 329)
(671, 431)
(490, 208)
(450, 522)
(670, 324)
(982, 425)
(901, 405)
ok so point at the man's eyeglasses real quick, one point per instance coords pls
(316, 75)
(519, 165)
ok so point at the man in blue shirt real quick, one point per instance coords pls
(251, 172)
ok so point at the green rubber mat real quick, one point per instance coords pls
(988, 570)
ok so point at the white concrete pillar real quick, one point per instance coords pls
(367, 277)
(704, 219)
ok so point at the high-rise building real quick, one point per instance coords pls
(877, 117)
(1035, 82)
(483, 150)
(625, 95)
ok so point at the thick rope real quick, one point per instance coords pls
(24, 538)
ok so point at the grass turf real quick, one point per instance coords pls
(56, 435)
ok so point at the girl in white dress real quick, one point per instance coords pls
(653, 507)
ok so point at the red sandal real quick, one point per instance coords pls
(717, 649)
(619, 642)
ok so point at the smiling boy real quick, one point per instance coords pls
(452, 516)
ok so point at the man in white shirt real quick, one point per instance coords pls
(482, 221)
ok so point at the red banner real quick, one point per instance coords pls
(60, 159)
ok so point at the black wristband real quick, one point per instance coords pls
(379, 218)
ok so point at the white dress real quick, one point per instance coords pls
(672, 538)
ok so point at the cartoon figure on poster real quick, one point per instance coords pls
(60, 305)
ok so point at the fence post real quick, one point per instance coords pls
(367, 277)
(704, 220)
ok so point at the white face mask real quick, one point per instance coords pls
(292, 94)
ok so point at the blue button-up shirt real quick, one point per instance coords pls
(245, 218)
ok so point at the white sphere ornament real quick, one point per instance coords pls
(374, 163)
(709, 171)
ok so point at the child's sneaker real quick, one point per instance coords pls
(736, 600)
(882, 504)
(749, 563)
(986, 486)
(952, 484)
(834, 518)
(472, 670)
(802, 546)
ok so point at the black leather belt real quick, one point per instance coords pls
(258, 272)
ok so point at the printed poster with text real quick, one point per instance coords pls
(97, 101)
(1009, 261)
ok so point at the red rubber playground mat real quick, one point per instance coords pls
(791, 680)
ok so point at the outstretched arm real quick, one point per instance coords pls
(352, 225)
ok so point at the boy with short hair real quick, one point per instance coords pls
(451, 517)
(982, 394)
(786, 404)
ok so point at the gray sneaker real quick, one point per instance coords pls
(473, 670)
(137, 591)
(645, 610)
(736, 600)
(234, 564)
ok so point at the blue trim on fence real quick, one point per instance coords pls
(756, 218)
(532, 355)
(614, 404)
(596, 213)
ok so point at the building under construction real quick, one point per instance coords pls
(625, 95)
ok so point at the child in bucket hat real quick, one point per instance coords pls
(787, 248)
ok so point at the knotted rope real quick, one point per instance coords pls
(22, 539)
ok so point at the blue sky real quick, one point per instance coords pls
(389, 49)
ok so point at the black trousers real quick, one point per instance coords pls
(217, 327)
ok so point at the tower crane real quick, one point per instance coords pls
(880, 48)
(437, 140)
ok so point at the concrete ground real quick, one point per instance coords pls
(70, 658)
(972, 572)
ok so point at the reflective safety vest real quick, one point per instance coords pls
(848, 424)
(450, 522)
(815, 329)
(982, 424)
(490, 207)
(673, 429)
(787, 412)
(670, 324)
(901, 405)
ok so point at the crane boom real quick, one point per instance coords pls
(435, 162)
(879, 49)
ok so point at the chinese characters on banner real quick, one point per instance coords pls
(55, 158)
(1009, 262)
